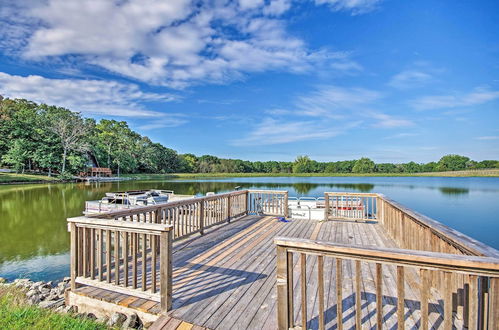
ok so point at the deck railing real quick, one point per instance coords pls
(268, 202)
(481, 303)
(129, 258)
(187, 216)
(350, 206)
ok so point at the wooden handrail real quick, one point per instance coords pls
(482, 281)
(460, 243)
(152, 208)
(482, 266)
(108, 254)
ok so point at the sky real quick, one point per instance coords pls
(391, 80)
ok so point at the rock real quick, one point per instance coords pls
(31, 293)
(71, 309)
(46, 304)
(133, 322)
(66, 280)
(116, 320)
(2, 280)
(90, 316)
(35, 299)
(60, 309)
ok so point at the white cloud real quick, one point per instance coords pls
(321, 114)
(95, 97)
(487, 138)
(174, 43)
(476, 97)
(354, 6)
(387, 121)
(334, 101)
(271, 131)
(409, 79)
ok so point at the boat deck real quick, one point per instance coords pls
(226, 279)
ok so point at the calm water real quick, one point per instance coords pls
(34, 242)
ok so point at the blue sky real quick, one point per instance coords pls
(391, 80)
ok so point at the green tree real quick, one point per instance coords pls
(302, 164)
(364, 165)
(452, 163)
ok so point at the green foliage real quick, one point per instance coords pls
(452, 163)
(15, 313)
(303, 164)
(54, 140)
(364, 165)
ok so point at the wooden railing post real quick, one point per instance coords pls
(166, 273)
(246, 196)
(284, 289)
(228, 208)
(74, 255)
(286, 206)
(201, 217)
(326, 207)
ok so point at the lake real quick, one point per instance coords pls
(34, 241)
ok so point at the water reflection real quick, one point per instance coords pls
(453, 191)
(33, 217)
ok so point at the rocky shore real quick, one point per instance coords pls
(51, 295)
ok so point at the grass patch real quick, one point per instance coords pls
(14, 177)
(15, 313)
(468, 173)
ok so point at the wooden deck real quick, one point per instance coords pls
(226, 279)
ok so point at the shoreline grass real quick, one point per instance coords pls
(467, 173)
(16, 313)
(22, 178)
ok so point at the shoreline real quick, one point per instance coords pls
(31, 179)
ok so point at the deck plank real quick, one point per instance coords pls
(226, 279)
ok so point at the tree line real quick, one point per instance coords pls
(54, 140)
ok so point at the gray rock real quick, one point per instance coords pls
(35, 299)
(90, 316)
(2, 280)
(46, 304)
(71, 309)
(31, 293)
(133, 322)
(66, 280)
(117, 320)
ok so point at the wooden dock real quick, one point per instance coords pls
(323, 275)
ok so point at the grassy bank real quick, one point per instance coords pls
(15, 313)
(469, 173)
(21, 178)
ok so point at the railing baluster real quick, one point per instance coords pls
(448, 301)
(425, 289)
(144, 262)
(400, 298)
(153, 262)
(379, 296)
(116, 257)
(303, 282)
(135, 244)
(108, 256)
(358, 295)
(320, 279)
(339, 295)
(125, 258)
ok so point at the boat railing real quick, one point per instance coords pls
(478, 310)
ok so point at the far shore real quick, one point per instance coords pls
(14, 178)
